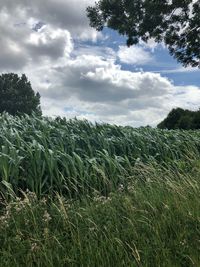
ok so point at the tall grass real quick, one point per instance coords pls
(76, 194)
(155, 221)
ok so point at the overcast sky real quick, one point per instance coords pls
(80, 72)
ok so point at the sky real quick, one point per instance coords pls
(87, 74)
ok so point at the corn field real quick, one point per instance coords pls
(76, 157)
(78, 194)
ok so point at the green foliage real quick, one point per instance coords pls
(181, 119)
(17, 95)
(176, 23)
(76, 157)
(77, 194)
(153, 222)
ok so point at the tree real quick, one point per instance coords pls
(17, 95)
(185, 122)
(174, 22)
(181, 119)
(171, 122)
(196, 120)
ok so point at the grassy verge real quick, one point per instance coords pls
(153, 221)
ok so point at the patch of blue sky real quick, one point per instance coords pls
(78, 111)
(184, 78)
(110, 39)
(162, 62)
(68, 109)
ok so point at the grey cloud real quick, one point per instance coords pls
(107, 84)
(17, 48)
(13, 55)
(11, 60)
(102, 91)
(15, 28)
(53, 48)
(65, 14)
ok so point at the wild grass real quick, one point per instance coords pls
(78, 194)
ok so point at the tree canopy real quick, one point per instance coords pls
(17, 96)
(174, 22)
(181, 119)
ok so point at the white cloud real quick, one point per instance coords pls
(179, 70)
(49, 42)
(134, 55)
(151, 44)
(81, 80)
(104, 52)
(98, 89)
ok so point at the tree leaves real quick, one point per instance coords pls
(17, 95)
(176, 23)
(181, 119)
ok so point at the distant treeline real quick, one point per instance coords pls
(181, 119)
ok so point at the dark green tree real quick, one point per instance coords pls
(174, 22)
(185, 122)
(17, 96)
(196, 120)
(181, 119)
(172, 120)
